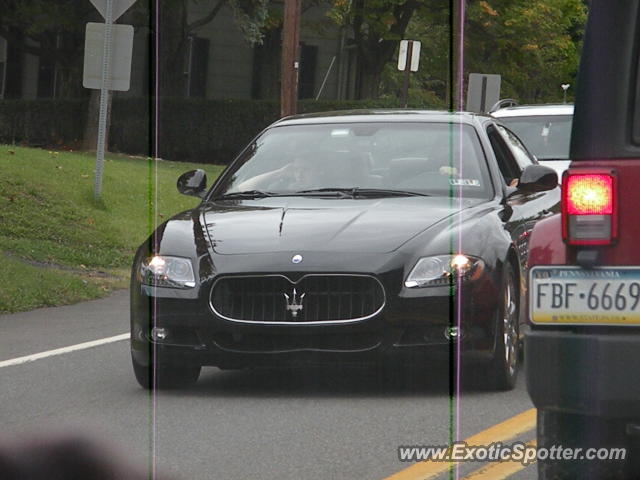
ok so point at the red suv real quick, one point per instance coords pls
(583, 346)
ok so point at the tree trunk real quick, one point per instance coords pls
(370, 67)
(172, 49)
(369, 84)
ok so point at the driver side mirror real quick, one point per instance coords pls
(537, 178)
(193, 183)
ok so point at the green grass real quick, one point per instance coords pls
(57, 244)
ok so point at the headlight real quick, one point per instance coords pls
(172, 272)
(442, 269)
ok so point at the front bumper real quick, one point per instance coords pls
(584, 373)
(406, 328)
(412, 322)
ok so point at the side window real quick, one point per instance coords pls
(520, 152)
(506, 162)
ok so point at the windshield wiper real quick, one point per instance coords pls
(354, 192)
(383, 192)
(351, 192)
(245, 194)
(335, 191)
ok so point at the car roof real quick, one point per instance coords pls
(382, 115)
(534, 110)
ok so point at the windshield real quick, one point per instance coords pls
(425, 158)
(547, 137)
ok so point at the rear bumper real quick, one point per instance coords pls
(584, 373)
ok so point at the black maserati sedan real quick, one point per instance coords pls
(360, 237)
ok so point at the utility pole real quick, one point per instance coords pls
(290, 61)
(456, 60)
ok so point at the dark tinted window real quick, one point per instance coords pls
(433, 158)
(506, 162)
(520, 153)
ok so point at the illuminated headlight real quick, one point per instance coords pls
(172, 272)
(443, 269)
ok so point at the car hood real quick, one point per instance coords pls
(323, 225)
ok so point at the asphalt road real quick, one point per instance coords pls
(261, 424)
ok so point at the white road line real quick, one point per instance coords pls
(63, 350)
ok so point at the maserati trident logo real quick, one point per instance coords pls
(294, 303)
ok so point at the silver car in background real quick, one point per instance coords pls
(544, 129)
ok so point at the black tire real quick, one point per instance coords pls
(580, 431)
(503, 369)
(165, 376)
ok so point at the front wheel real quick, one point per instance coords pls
(165, 376)
(503, 369)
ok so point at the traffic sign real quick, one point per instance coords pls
(483, 92)
(404, 53)
(120, 65)
(119, 7)
(116, 42)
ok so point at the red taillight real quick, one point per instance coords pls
(590, 194)
(589, 207)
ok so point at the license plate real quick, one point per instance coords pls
(577, 296)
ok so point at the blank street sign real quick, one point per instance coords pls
(415, 55)
(119, 7)
(122, 36)
(483, 92)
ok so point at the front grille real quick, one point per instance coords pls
(313, 298)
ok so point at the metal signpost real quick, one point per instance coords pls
(110, 10)
(408, 61)
(565, 87)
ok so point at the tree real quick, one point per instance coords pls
(54, 30)
(533, 44)
(430, 85)
(51, 30)
(377, 27)
(176, 26)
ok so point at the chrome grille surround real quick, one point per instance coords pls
(281, 284)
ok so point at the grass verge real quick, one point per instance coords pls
(57, 244)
